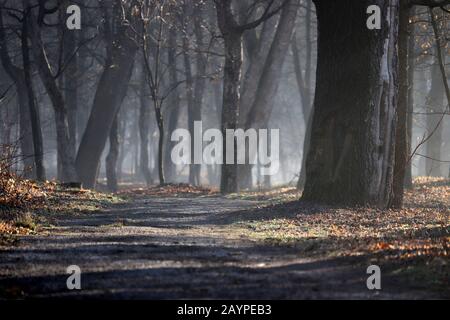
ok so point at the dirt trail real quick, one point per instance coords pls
(170, 248)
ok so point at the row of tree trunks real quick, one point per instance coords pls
(352, 150)
(31, 140)
(262, 106)
(250, 87)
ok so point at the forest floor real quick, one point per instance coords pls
(182, 242)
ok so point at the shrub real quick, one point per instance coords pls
(15, 192)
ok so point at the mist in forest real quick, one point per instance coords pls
(224, 149)
(92, 91)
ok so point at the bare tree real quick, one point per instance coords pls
(232, 33)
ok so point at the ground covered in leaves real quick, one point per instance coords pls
(178, 241)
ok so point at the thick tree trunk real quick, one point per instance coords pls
(351, 157)
(108, 98)
(231, 90)
(230, 107)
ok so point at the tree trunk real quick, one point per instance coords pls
(306, 97)
(160, 123)
(231, 90)
(66, 153)
(253, 74)
(71, 83)
(144, 131)
(401, 136)
(351, 158)
(193, 112)
(411, 70)
(230, 107)
(31, 140)
(306, 146)
(262, 106)
(173, 108)
(110, 93)
(250, 87)
(111, 159)
(26, 84)
(435, 108)
(199, 84)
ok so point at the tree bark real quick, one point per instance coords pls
(111, 159)
(33, 110)
(66, 152)
(401, 136)
(70, 80)
(144, 131)
(111, 91)
(262, 106)
(306, 98)
(199, 84)
(351, 158)
(435, 108)
(250, 87)
(411, 70)
(232, 33)
(160, 123)
(193, 111)
(31, 140)
(173, 107)
(231, 88)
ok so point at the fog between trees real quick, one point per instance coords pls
(359, 111)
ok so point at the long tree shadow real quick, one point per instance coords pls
(338, 278)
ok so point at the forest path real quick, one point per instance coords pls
(173, 248)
